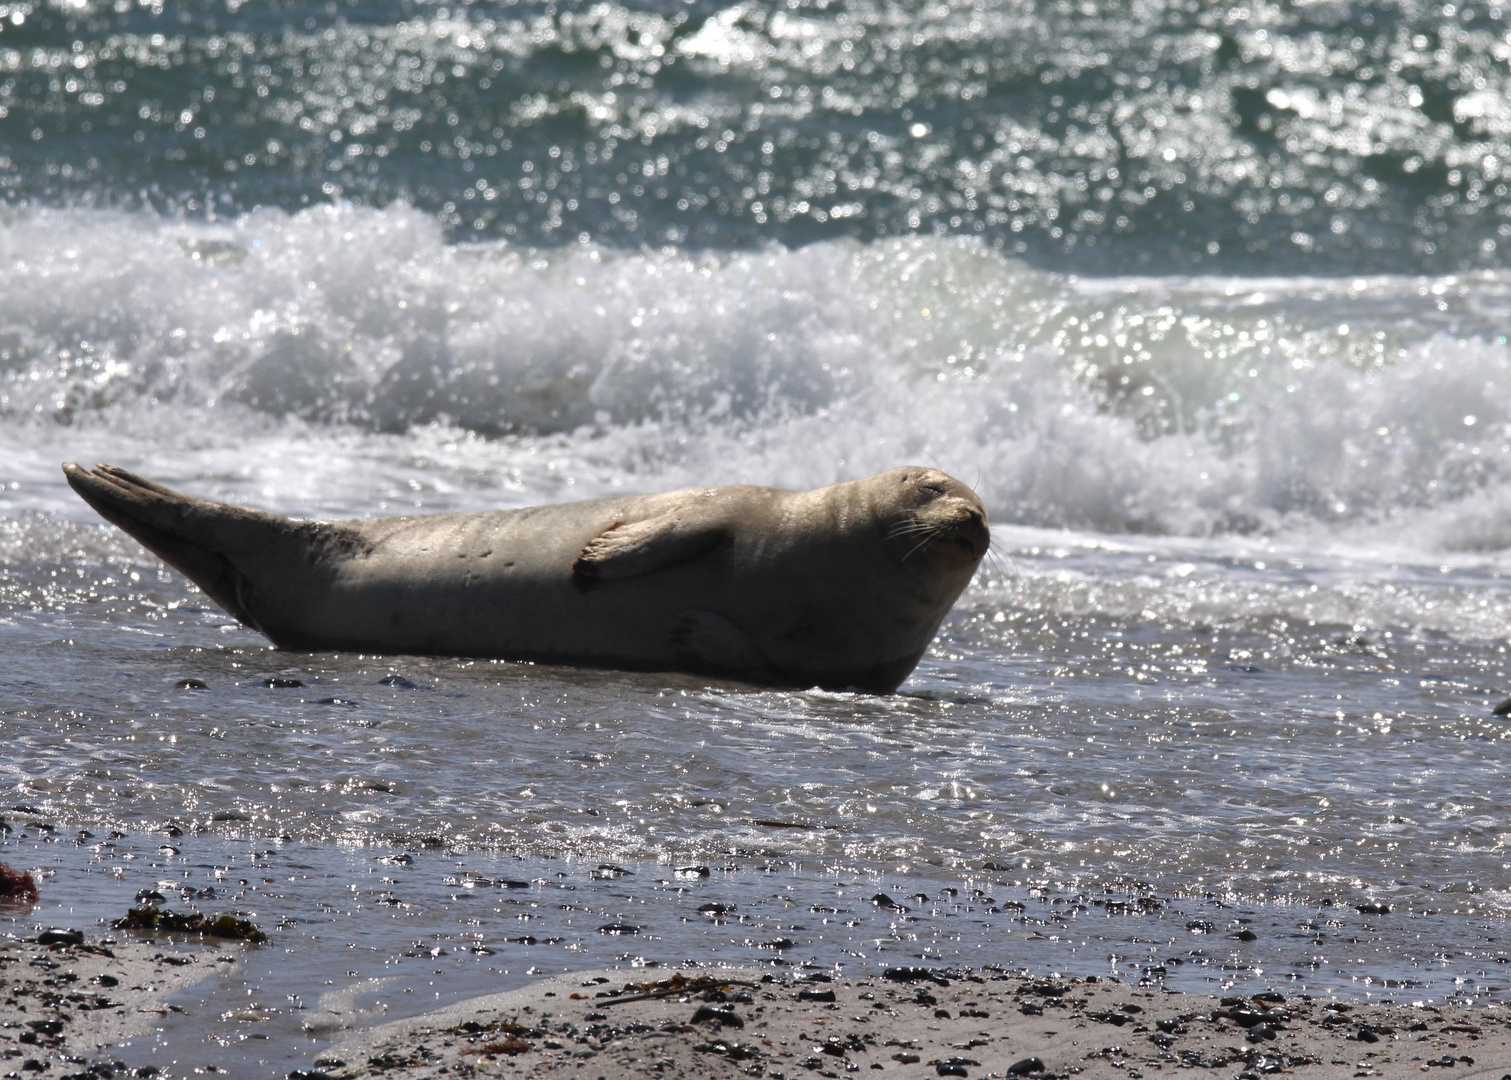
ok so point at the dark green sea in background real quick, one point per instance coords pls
(1150, 136)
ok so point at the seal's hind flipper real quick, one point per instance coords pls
(712, 643)
(642, 547)
(194, 536)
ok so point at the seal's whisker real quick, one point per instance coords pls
(918, 547)
(1000, 556)
(911, 530)
(911, 527)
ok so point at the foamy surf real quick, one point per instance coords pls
(349, 360)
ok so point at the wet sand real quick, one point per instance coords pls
(707, 1023)
(64, 1004)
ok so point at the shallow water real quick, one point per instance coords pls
(1236, 652)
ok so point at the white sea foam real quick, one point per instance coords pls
(347, 360)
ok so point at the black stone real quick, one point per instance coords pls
(722, 1017)
(914, 974)
(56, 936)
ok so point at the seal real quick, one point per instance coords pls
(840, 587)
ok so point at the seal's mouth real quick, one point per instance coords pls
(967, 541)
(960, 539)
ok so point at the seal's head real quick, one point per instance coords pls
(933, 521)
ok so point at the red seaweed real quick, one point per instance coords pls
(16, 884)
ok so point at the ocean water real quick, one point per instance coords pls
(1208, 303)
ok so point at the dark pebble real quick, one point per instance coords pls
(1246, 935)
(1503, 709)
(914, 974)
(815, 995)
(722, 1017)
(56, 936)
(619, 928)
(1026, 1066)
(192, 684)
(1372, 909)
(1246, 1018)
(282, 684)
(1366, 1035)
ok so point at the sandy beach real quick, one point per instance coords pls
(698, 1023)
(68, 997)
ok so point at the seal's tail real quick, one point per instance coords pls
(197, 537)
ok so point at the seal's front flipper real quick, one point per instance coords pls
(645, 546)
(712, 643)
